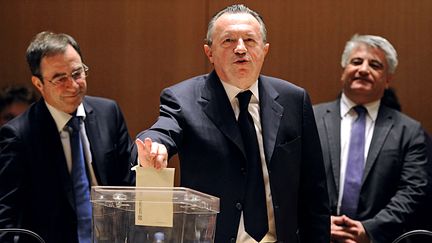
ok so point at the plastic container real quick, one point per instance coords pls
(150, 214)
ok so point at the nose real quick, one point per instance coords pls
(240, 47)
(71, 82)
(364, 68)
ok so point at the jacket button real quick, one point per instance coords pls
(239, 206)
(233, 240)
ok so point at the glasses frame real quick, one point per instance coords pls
(83, 72)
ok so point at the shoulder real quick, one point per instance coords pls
(326, 107)
(93, 100)
(186, 90)
(31, 121)
(102, 107)
(186, 85)
(398, 117)
(281, 85)
(100, 104)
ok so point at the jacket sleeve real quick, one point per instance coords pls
(314, 218)
(167, 129)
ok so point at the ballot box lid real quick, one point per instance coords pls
(185, 200)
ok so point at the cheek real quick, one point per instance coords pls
(343, 78)
(83, 85)
(347, 74)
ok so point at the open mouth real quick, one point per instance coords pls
(362, 79)
(241, 61)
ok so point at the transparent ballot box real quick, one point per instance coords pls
(153, 214)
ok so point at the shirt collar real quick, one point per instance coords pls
(232, 91)
(61, 118)
(346, 105)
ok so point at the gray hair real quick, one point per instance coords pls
(375, 42)
(235, 9)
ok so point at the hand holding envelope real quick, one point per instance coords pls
(151, 154)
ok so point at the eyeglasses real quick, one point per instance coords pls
(77, 75)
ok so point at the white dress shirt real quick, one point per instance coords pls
(348, 116)
(61, 119)
(254, 110)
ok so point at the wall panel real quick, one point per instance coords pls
(135, 48)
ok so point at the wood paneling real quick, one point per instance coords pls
(136, 48)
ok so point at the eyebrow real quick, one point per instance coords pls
(64, 74)
(58, 75)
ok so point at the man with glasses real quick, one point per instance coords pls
(62, 145)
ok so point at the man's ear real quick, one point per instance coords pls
(37, 83)
(208, 52)
(266, 48)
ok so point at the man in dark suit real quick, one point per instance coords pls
(198, 120)
(37, 191)
(374, 201)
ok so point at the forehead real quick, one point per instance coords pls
(364, 51)
(236, 24)
(67, 59)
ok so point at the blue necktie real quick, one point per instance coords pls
(355, 165)
(254, 207)
(80, 183)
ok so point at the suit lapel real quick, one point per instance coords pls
(94, 136)
(271, 114)
(51, 137)
(332, 122)
(383, 125)
(218, 108)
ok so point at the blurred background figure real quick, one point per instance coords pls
(14, 100)
(390, 99)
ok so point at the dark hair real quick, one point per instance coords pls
(47, 44)
(391, 100)
(16, 94)
(235, 9)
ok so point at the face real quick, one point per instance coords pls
(238, 51)
(366, 75)
(67, 95)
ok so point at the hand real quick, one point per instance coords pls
(151, 154)
(346, 230)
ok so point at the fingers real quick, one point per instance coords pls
(152, 154)
(144, 157)
(351, 222)
(162, 157)
(151, 150)
(339, 230)
(337, 220)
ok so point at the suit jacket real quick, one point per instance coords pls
(36, 191)
(197, 122)
(394, 179)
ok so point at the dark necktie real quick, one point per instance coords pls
(80, 183)
(355, 165)
(254, 207)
